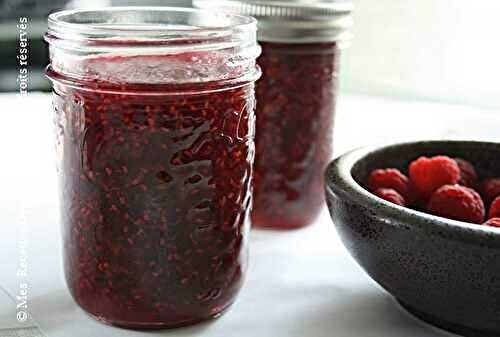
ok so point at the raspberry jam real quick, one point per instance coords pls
(296, 103)
(155, 164)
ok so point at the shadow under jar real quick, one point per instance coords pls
(154, 113)
(296, 99)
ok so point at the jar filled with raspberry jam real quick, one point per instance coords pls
(154, 114)
(296, 96)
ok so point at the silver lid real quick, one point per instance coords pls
(293, 21)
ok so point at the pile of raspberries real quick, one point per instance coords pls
(443, 186)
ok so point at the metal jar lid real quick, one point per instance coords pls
(293, 21)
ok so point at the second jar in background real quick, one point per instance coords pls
(296, 100)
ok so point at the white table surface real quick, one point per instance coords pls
(300, 283)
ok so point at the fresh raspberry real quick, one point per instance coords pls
(391, 195)
(494, 209)
(490, 189)
(390, 178)
(468, 175)
(493, 222)
(458, 203)
(429, 174)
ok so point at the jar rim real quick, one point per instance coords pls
(294, 21)
(312, 10)
(106, 29)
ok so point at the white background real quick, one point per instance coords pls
(444, 50)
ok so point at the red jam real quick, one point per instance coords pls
(156, 191)
(295, 109)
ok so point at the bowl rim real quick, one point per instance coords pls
(339, 180)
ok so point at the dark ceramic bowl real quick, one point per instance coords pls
(445, 272)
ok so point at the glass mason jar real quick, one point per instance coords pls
(154, 112)
(296, 99)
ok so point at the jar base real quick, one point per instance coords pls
(145, 326)
(270, 223)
